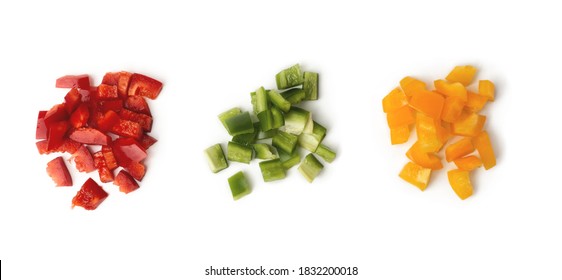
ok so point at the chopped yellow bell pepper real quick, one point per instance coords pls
(452, 109)
(394, 100)
(428, 102)
(410, 85)
(486, 88)
(468, 124)
(475, 102)
(468, 163)
(451, 89)
(423, 158)
(460, 182)
(484, 147)
(459, 149)
(431, 135)
(399, 134)
(415, 175)
(400, 117)
(462, 74)
(439, 114)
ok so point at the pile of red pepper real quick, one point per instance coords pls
(103, 128)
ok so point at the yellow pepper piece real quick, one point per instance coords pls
(452, 109)
(475, 102)
(431, 135)
(415, 175)
(410, 85)
(451, 89)
(400, 134)
(484, 147)
(460, 182)
(423, 158)
(394, 100)
(427, 102)
(468, 124)
(468, 163)
(459, 149)
(486, 88)
(400, 117)
(462, 74)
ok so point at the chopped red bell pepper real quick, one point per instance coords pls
(144, 86)
(57, 170)
(113, 105)
(70, 81)
(56, 114)
(136, 169)
(56, 134)
(145, 121)
(83, 160)
(107, 121)
(68, 146)
(72, 99)
(107, 92)
(125, 182)
(80, 116)
(146, 141)
(109, 157)
(105, 173)
(128, 150)
(41, 131)
(91, 136)
(127, 128)
(137, 104)
(119, 79)
(90, 195)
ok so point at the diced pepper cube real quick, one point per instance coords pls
(394, 100)
(483, 144)
(427, 102)
(486, 88)
(460, 182)
(459, 149)
(468, 163)
(462, 74)
(468, 124)
(416, 175)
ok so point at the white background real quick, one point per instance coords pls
(210, 55)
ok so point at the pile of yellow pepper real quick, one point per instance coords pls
(449, 111)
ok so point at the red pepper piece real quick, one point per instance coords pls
(137, 104)
(58, 171)
(107, 92)
(107, 121)
(146, 141)
(109, 157)
(56, 114)
(56, 134)
(127, 128)
(105, 173)
(136, 169)
(83, 159)
(80, 116)
(41, 131)
(70, 81)
(125, 182)
(113, 105)
(145, 121)
(144, 86)
(90, 195)
(68, 146)
(119, 79)
(88, 135)
(128, 150)
(72, 99)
